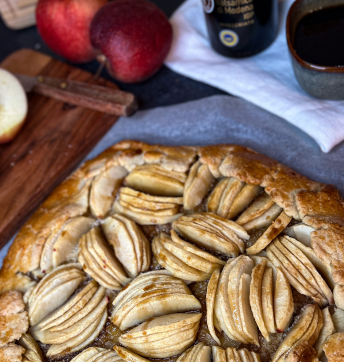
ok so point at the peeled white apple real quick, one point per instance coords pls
(13, 106)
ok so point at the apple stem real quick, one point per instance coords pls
(102, 60)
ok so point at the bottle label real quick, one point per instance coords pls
(208, 5)
(243, 10)
(229, 38)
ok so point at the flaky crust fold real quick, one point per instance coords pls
(317, 205)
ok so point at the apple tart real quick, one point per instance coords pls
(186, 254)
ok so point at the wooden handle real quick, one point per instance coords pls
(102, 99)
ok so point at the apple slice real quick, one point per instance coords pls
(317, 281)
(59, 337)
(256, 297)
(245, 355)
(246, 317)
(194, 352)
(216, 195)
(255, 357)
(301, 351)
(295, 278)
(204, 355)
(13, 104)
(173, 264)
(197, 185)
(82, 340)
(265, 220)
(145, 218)
(70, 308)
(81, 314)
(323, 268)
(230, 355)
(338, 320)
(166, 323)
(258, 207)
(268, 300)
(195, 250)
(219, 354)
(303, 233)
(210, 302)
(283, 302)
(104, 188)
(247, 194)
(270, 234)
(156, 180)
(87, 354)
(128, 356)
(157, 305)
(223, 310)
(327, 330)
(69, 238)
(312, 333)
(229, 193)
(32, 350)
(200, 229)
(296, 333)
(54, 298)
(243, 266)
(188, 258)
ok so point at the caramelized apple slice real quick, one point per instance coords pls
(223, 310)
(156, 180)
(283, 302)
(66, 311)
(220, 201)
(243, 266)
(82, 340)
(32, 350)
(197, 185)
(177, 267)
(219, 354)
(327, 330)
(319, 282)
(246, 317)
(268, 300)
(265, 220)
(258, 207)
(128, 356)
(270, 234)
(256, 297)
(104, 189)
(247, 194)
(210, 300)
(297, 332)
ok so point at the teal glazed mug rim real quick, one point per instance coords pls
(290, 40)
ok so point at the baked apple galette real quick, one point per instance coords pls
(187, 254)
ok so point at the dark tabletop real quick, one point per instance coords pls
(164, 88)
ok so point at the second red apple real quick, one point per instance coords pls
(135, 37)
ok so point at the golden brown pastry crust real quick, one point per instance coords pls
(14, 322)
(11, 353)
(317, 205)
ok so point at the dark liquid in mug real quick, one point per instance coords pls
(319, 37)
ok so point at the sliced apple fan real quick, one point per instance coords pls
(242, 298)
(147, 209)
(76, 323)
(202, 353)
(149, 296)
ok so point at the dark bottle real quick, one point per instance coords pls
(240, 28)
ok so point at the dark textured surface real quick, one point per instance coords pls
(165, 88)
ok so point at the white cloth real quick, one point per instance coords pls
(267, 79)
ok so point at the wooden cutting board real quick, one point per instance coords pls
(53, 141)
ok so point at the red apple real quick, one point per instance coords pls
(65, 26)
(13, 106)
(134, 36)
